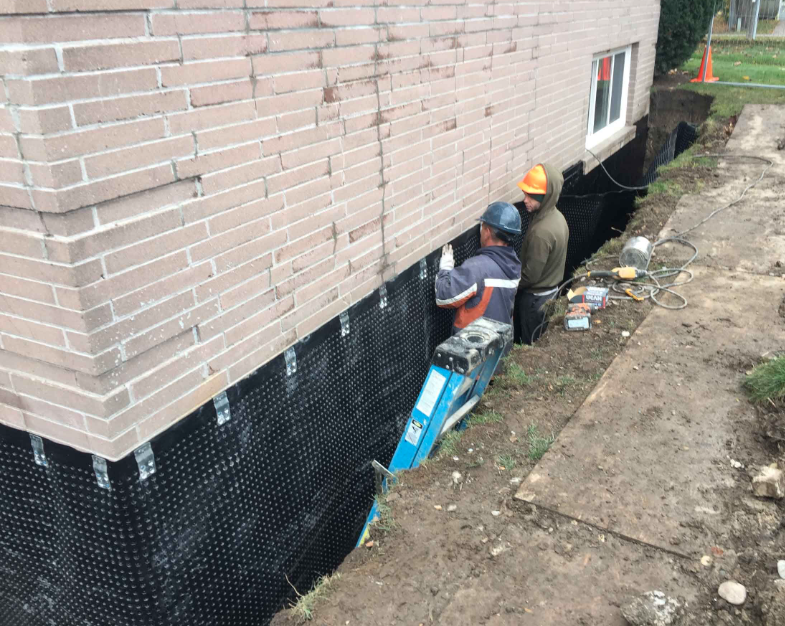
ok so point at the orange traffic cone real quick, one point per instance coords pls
(707, 65)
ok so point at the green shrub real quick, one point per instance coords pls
(682, 25)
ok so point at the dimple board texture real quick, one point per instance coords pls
(235, 515)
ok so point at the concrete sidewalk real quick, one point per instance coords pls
(648, 455)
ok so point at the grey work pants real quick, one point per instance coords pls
(530, 317)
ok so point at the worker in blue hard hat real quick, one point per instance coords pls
(485, 285)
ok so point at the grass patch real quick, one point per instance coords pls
(518, 376)
(562, 383)
(507, 461)
(303, 609)
(448, 446)
(738, 60)
(486, 417)
(766, 382)
(538, 445)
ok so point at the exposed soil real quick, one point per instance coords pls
(495, 560)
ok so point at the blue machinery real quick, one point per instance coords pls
(460, 371)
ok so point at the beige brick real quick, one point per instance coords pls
(92, 404)
(51, 272)
(28, 62)
(321, 317)
(116, 448)
(300, 40)
(30, 330)
(198, 48)
(298, 81)
(295, 177)
(245, 214)
(147, 201)
(211, 117)
(112, 236)
(212, 205)
(102, 190)
(278, 20)
(138, 156)
(112, 110)
(120, 284)
(157, 291)
(12, 171)
(11, 416)
(182, 23)
(109, 5)
(182, 406)
(23, 6)
(56, 175)
(109, 56)
(347, 17)
(155, 336)
(159, 377)
(236, 176)
(63, 358)
(231, 239)
(100, 340)
(397, 15)
(235, 134)
(295, 121)
(155, 247)
(226, 280)
(8, 149)
(357, 36)
(229, 319)
(260, 316)
(70, 28)
(32, 290)
(86, 141)
(204, 72)
(261, 354)
(248, 251)
(57, 432)
(221, 93)
(301, 313)
(136, 367)
(211, 4)
(49, 314)
(289, 103)
(218, 160)
(269, 64)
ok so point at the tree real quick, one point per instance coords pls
(682, 25)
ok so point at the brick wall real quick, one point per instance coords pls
(190, 186)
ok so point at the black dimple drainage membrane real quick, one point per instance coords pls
(279, 491)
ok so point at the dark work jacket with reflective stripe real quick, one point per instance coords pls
(484, 286)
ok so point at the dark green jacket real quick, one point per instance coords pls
(544, 249)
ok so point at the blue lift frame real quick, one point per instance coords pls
(460, 371)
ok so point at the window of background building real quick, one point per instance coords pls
(609, 87)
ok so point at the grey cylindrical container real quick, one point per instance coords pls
(636, 253)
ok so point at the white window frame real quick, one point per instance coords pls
(592, 138)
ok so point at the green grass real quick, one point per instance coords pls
(517, 375)
(507, 461)
(486, 417)
(563, 383)
(767, 381)
(449, 444)
(762, 62)
(303, 609)
(538, 445)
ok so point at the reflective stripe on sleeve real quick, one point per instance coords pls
(501, 282)
(461, 296)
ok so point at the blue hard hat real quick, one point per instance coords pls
(502, 216)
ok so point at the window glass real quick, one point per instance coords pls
(603, 97)
(618, 86)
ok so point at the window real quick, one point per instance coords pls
(609, 86)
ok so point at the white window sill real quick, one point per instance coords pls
(608, 147)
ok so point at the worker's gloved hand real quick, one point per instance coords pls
(448, 261)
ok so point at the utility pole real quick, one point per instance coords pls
(752, 24)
